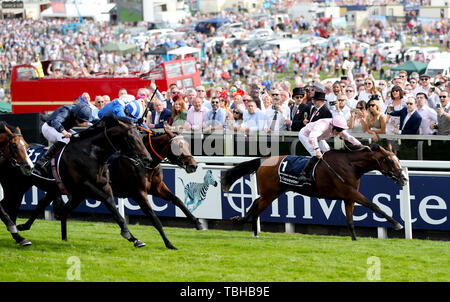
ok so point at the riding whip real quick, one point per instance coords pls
(146, 107)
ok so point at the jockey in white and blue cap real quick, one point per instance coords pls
(135, 111)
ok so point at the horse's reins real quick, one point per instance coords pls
(109, 140)
(150, 143)
(338, 176)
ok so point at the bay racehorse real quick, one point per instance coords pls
(13, 157)
(129, 179)
(83, 172)
(336, 176)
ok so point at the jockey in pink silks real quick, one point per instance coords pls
(314, 135)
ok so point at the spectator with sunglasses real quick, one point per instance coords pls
(357, 117)
(299, 110)
(443, 112)
(376, 121)
(350, 94)
(410, 119)
(426, 88)
(236, 123)
(395, 102)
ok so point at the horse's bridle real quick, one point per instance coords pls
(13, 161)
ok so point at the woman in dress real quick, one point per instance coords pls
(375, 122)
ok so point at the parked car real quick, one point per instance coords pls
(440, 65)
(260, 33)
(286, 47)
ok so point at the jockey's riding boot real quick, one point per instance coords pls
(42, 163)
(306, 175)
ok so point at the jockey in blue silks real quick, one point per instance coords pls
(116, 107)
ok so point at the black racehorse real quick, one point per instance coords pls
(129, 179)
(13, 159)
(337, 176)
(83, 171)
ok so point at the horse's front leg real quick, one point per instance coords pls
(162, 191)
(362, 200)
(106, 196)
(142, 200)
(349, 205)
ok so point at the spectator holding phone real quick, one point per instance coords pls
(357, 118)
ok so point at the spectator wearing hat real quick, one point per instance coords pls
(429, 116)
(426, 87)
(317, 110)
(299, 109)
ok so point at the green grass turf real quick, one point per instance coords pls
(215, 255)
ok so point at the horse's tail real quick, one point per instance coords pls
(233, 174)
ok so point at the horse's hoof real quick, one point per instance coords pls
(25, 242)
(138, 243)
(236, 219)
(398, 226)
(199, 226)
(171, 247)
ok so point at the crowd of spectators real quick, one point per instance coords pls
(252, 96)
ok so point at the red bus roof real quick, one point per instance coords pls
(30, 93)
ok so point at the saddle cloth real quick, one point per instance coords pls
(35, 152)
(290, 169)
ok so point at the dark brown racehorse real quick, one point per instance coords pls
(84, 173)
(130, 180)
(13, 157)
(337, 177)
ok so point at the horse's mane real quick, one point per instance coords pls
(107, 121)
(350, 148)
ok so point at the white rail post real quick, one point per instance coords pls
(405, 200)
(121, 207)
(254, 196)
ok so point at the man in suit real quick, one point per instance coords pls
(160, 115)
(410, 119)
(317, 110)
(300, 109)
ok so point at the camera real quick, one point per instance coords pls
(274, 107)
(391, 108)
(438, 106)
(374, 97)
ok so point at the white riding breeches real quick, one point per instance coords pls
(323, 145)
(53, 135)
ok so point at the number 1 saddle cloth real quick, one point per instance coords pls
(290, 169)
